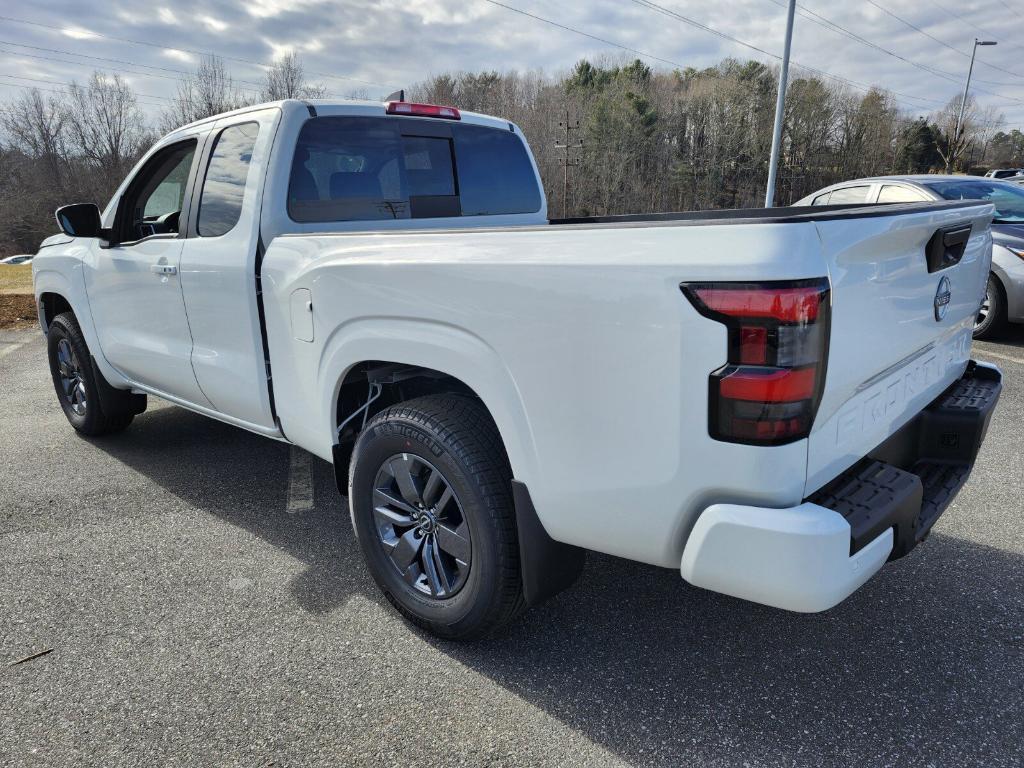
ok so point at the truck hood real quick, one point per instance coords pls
(58, 239)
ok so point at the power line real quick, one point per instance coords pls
(188, 50)
(587, 34)
(179, 72)
(612, 43)
(685, 19)
(83, 64)
(826, 23)
(77, 85)
(966, 20)
(940, 42)
(59, 90)
(1008, 7)
(678, 65)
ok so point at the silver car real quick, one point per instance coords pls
(1004, 299)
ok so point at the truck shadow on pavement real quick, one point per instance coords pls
(923, 665)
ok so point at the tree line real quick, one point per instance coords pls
(638, 139)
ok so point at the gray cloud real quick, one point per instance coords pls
(378, 46)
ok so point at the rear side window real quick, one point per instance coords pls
(220, 206)
(849, 195)
(369, 168)
(893, 193)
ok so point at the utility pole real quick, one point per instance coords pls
(566, 161)
(780, 109)
(963, 103)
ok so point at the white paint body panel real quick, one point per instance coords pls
(577, 339)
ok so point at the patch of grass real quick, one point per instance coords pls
(15, 279)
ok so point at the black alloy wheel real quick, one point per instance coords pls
(421, 526)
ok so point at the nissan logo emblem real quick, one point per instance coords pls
(942, 297)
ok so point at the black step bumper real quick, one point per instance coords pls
(909, 480)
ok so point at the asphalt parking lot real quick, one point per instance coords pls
(201, 614)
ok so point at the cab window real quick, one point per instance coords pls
(220, 205)
(153, 202)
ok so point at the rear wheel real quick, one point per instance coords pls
(431, 500)
(991, 317)
(90, 404)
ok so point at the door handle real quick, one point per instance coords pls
(163, 269)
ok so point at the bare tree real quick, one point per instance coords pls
(106, 128)
(286, 79)
(208, 92)
(954, 139)
(37, 126)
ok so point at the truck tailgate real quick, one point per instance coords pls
(901, 323)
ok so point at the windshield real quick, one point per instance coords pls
(1007, 198)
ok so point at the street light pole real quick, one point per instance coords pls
(963, 101)
(780, 108)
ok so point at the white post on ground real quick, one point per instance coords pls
(780, 108)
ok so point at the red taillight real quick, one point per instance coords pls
(787, 305)
(423, 110)
(768, 385)
(768, 392)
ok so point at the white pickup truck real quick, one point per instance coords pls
(775, 402)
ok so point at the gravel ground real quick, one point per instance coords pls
(198, 617)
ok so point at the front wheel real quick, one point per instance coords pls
(431, 501)
(992, 313)
(90, 404)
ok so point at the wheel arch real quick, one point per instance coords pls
(51, 304)
(55, 293)
(547, 567)
(1013, 301)
(63, 290)
(454, 357)
(450, 356)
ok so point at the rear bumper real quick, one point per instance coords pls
(810, 557)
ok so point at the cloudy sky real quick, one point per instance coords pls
(918, 50)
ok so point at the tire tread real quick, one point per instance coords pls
(463, 424)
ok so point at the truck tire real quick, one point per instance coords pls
(91, 405)
(431, 502)
(992, 315)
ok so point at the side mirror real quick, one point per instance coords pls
(80, 220)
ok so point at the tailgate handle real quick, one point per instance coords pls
(947, 247)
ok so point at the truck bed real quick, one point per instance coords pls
(785, 215)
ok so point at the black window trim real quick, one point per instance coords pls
(201, 142)
(196, 190)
